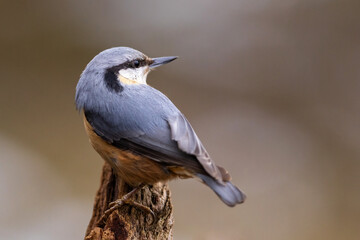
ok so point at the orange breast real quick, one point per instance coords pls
(133, 169)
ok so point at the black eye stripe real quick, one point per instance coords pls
(130, 64)
(111, 82)
(139, 63)
(135, 63)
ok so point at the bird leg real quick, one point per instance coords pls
(126, 200)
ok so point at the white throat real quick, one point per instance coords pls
(138, 75)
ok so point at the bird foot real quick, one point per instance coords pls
(125, 200)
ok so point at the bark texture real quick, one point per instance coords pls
(130, 222)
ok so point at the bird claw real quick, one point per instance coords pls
(117, 203)
(125, 200)
(120, 203)
(114, 205)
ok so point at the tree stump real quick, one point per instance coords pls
(129, 222)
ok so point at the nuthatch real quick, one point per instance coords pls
(138, 130)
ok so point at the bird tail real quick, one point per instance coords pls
(226, 191)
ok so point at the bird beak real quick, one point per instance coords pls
(161, 61)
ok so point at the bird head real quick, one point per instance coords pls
(129, 65)
(114, 68)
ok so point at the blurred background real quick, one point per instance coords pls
(271, 87)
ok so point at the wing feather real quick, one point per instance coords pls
(187, 140)
(155, 128)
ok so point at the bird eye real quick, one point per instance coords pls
(136, 63)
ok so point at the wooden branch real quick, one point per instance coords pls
(130, 222)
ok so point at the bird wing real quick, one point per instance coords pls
(158, 130)
(187, 141)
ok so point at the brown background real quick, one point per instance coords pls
(272, 88)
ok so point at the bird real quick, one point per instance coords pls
(137, 129)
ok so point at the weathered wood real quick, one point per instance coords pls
(130, 222)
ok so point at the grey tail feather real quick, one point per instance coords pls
(226, 191)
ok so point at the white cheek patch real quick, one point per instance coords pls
(135, 74)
